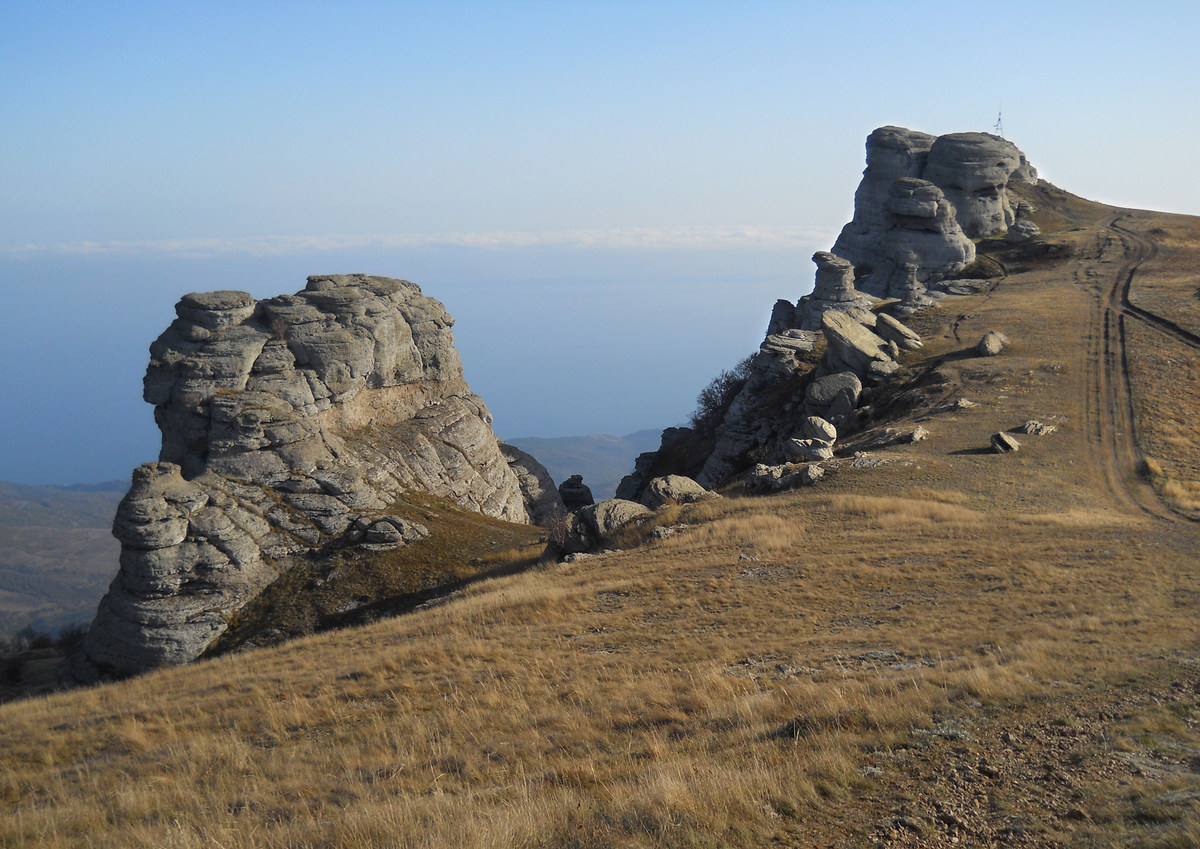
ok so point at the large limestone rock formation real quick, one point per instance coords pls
(922, 200)
(288, 424)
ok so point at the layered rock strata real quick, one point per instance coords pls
(922, 200)
(289, 424)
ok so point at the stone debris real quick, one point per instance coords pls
(1036, 428)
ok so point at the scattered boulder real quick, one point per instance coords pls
(613, 514)
(674, 488)
(834, 396)
(1037, 428)
(991, 344)
(884, 437)
(389, 532)
(815, 427)
(852, 347)
(765, 478)
(590, 528)
(575, 493)
(892, 330)
(807, 450)
(1022, 231)
(1005, 443)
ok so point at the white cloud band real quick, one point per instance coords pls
(635, 238)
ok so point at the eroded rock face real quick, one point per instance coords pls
(974, 170)
(834, 290)
(286, 424)
(921, 201)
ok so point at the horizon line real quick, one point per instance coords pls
(692, 237)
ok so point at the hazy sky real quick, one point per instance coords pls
(608, 196)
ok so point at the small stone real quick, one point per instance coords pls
(1036, 428)
(1004, 443)
(991, 344)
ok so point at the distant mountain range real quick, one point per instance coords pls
(57, 553)
(602, 460)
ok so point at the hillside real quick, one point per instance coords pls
(943, 646)
(56, 554)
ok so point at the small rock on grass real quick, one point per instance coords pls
(1005, 443)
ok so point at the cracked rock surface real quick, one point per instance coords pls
(287, 424)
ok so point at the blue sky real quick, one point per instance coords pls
(608, 196)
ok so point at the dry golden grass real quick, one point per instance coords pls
(956, 648)
(1165, 377)
(677, 694)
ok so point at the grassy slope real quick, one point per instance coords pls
(955, 648)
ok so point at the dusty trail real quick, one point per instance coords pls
(1109, 403)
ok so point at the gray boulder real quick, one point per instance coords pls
(1033, 427)
(1022, 231)
(992, 344)
(815, 427)
(833, 396)
(852, 347)
(1005, 443)
(766, 479)
(807, 450)
(674, 488)
(892, 330)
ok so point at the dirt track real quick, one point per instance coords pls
(1110, 400)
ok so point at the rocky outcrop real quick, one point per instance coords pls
(592, 527)
(537, 487)
(289, 424)
(833, 290)
(921, 201)
(575, 494)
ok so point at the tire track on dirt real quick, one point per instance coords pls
(1147, 250)
(1110, 396)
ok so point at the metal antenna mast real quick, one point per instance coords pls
(999, 127)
